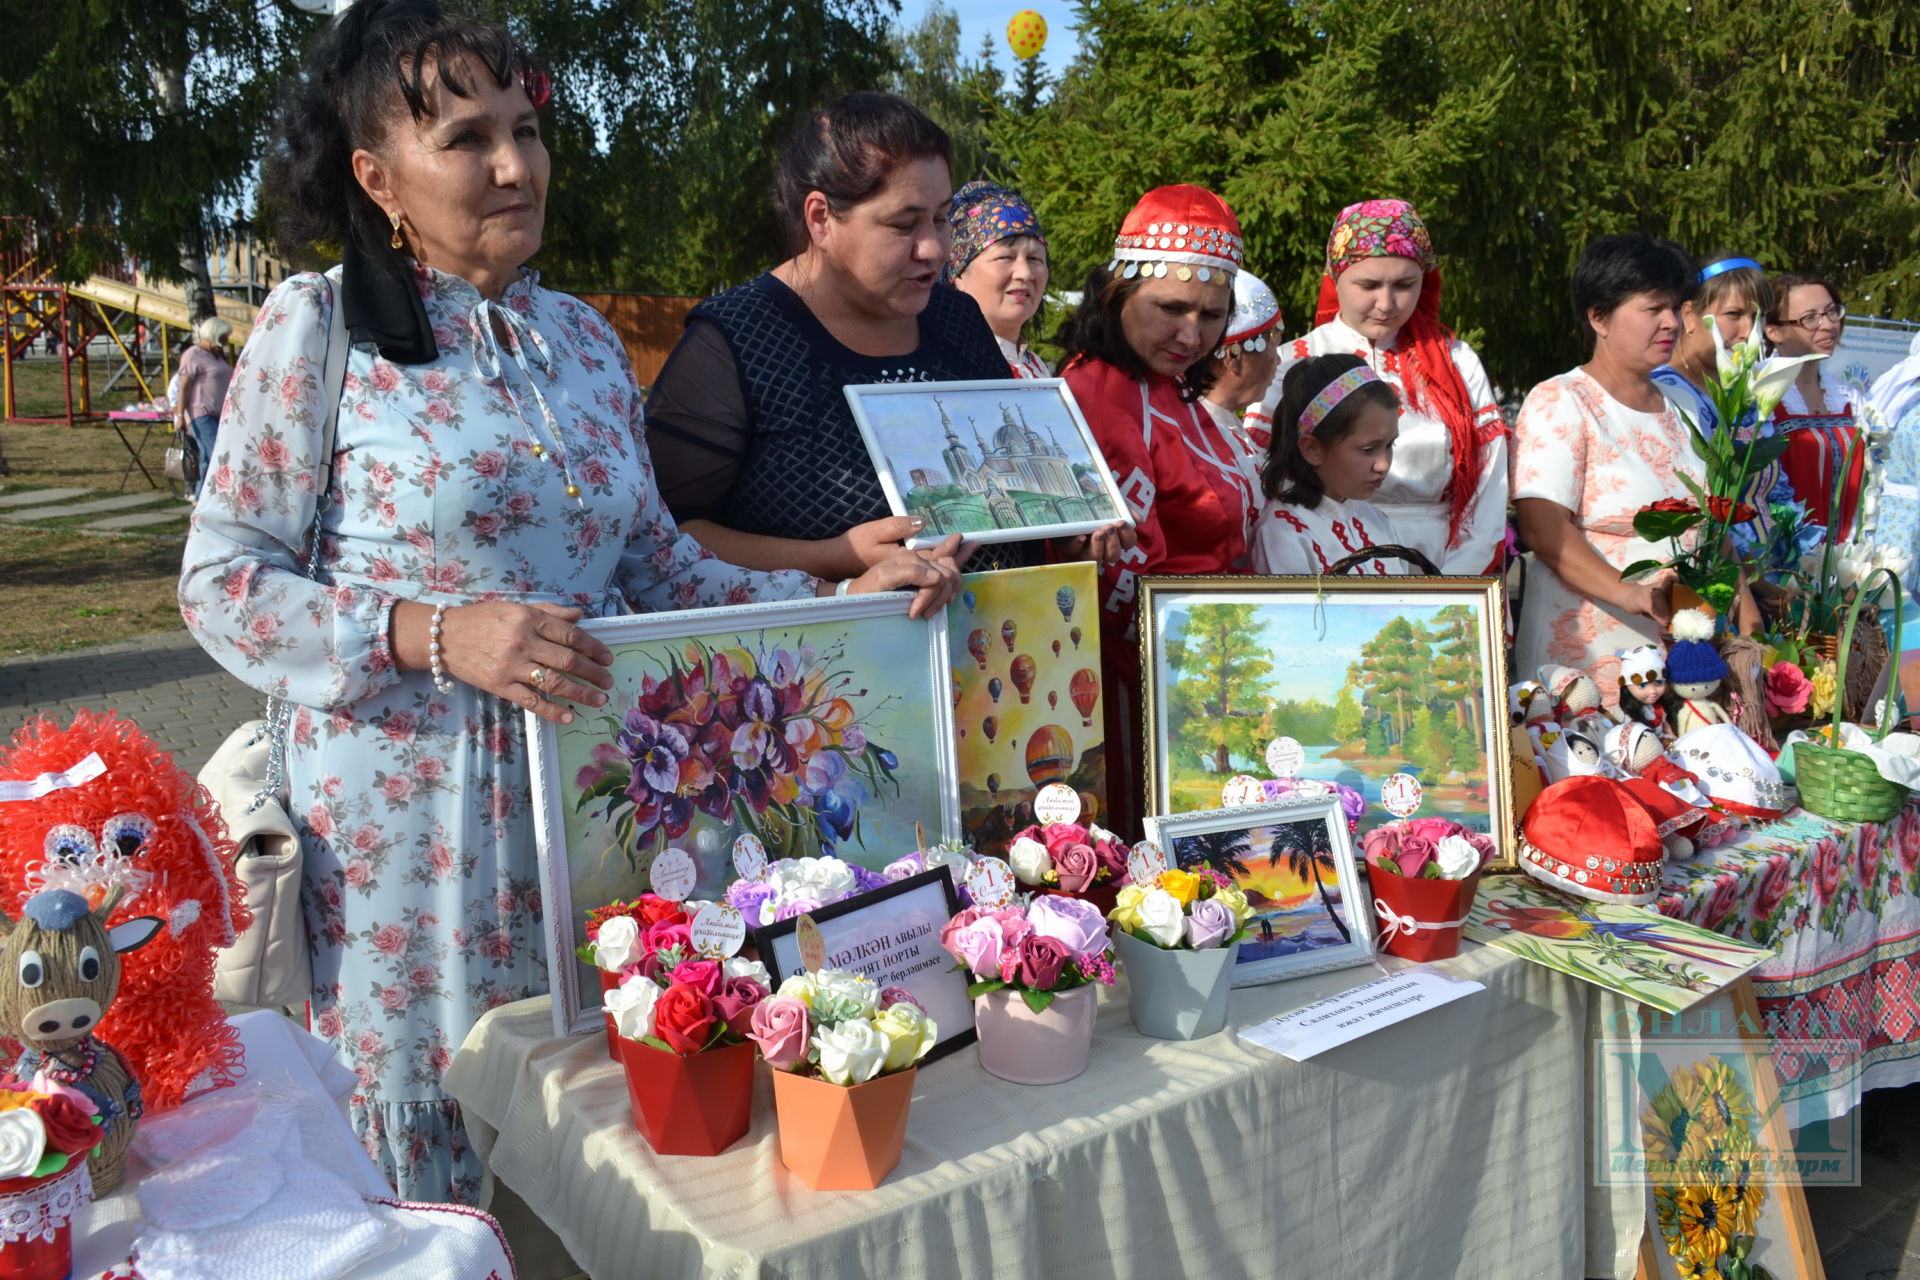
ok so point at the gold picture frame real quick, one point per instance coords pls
(1372, 675)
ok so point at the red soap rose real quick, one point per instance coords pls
(736, 1003)
(655, 909)
(684, 1019)
(1041, 961)
(703, 976)
(69, 1129)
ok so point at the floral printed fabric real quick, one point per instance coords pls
(1575, 445)
(1378, 229)
(1841, 903)
(422, 898)
(984, 214)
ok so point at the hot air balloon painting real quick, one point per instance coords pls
(1084, 689)
(1023, 671)
(967, 598)
(977, 646)
(993, 726)
(1049, 755)
(1074, 635)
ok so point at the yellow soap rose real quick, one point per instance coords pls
(1126, 907)
(1235, 901)
(909, 1033)
(1183, 885)
(1824, 684)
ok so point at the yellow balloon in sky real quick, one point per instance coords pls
(1026, 33)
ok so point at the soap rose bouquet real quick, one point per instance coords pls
(794, 886)
(43, 1126)
(1427, 848)
(956, 856)
(1069, 857)
(624, 925)
(1353, 803)
(672, 999)
(1040, 948)
(1195, 910)
(841, 1027)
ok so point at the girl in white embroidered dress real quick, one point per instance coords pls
(1333, 446)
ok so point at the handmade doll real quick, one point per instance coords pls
(1696, 670)
(1637, 752)
(1528, 703)
(1576, 701)
(59, 970)
(1643, 684)
(124, 816)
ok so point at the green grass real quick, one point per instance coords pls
(66, 590)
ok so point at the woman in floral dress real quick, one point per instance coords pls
(489, 459)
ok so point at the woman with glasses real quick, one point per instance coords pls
(1817, 412)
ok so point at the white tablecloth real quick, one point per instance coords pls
(1449, 1145)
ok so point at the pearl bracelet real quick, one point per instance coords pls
(440, 678)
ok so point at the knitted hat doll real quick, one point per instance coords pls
(1527, 703)
(1696, 669)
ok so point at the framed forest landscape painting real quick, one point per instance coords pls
(817, 726)
(1372, 677)
(1294, 861)
(999, 460)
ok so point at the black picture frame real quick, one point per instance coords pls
(941, 988)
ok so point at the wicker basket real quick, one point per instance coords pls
(1835, 782)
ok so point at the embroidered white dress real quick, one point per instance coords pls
(1575, 445)
(422, 894)
(1249, 453)
(1293, 539)
(1023, 360)
(1415, 495)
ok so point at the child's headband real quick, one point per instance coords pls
(1332, 394)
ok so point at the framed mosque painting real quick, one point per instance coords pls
(1000, 460)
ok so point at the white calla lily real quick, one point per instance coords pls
(1727, 361)
(1772, 377)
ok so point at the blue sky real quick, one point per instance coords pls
(980, 17)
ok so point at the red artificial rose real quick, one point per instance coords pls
(703, 976)
(1076, 867)
(69, 1129)
(1041, 961)
(683, 1018)
(1677, 506)
(1730, 511)
(655, 909)
(735, 1005)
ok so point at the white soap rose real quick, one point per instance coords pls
(1030, 860)
(741, 967)
(618, 944)
(849, 1052)
(856, 990)
(23, 1140)
(631, 1004)
(830, 878)
(940, 856)
(800, 987)
(1161, 917)
(1457, 857)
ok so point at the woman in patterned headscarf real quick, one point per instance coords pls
(999, 259)
(1380, 300)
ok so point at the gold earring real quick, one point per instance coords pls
(397, 242)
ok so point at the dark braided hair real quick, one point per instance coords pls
(371, 62)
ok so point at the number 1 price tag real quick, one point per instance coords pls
(1145, 863)
(990, 882)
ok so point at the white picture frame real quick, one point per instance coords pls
(587, 858)
(928, 438)
(1291, 935)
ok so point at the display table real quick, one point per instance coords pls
(1839, 902)
(146, 420)
(1448, 1145)
(435, 1240)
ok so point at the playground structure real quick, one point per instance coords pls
(115, 308)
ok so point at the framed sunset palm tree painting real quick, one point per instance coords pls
(1294, 860)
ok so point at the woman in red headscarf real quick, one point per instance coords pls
(1137, 365)
(1380, 300)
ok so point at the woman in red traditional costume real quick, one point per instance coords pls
(1807, 318)
(1136, 363)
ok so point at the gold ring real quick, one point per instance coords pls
(539, 677)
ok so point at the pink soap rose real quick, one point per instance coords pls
(1788, 690)
(978, 945)
(735, 1003)
(703, 976)
(1076, 867)
(782, 1028)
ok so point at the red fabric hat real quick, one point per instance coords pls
(1185, 230)
(1592, 838)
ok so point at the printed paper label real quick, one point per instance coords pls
(1145, 863)
(718, 931)
(1285, 757)
(673, 875)
(1241, 789)
(991, 883)
(1400, 795)
(749, 856)
(813, 947)
(1057, 802)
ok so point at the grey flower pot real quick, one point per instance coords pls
(1176, 995)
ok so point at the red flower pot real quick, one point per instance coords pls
(1418, 904)
(610, 982)
(842, 1137)
(36, 1223)
(696, 1104)
(1103, 897)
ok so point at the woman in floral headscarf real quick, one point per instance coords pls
(999, 259)
(1380, 300)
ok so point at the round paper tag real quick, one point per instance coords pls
(1400, 794)
(749, 856)
(1284, 757)
(813, 947)
(673, 874)
(1057, 802)
(990, 881)
(1241, 789)
(718, 931)
(1145, 863)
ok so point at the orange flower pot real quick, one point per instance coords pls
(610, 982)
(697, 1104)
(1426, 903)
(839, 1138)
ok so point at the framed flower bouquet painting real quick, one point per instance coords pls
(1375, 678)
(817, 726)
(1294, 860)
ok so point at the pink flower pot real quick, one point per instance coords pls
(1025, 1047)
